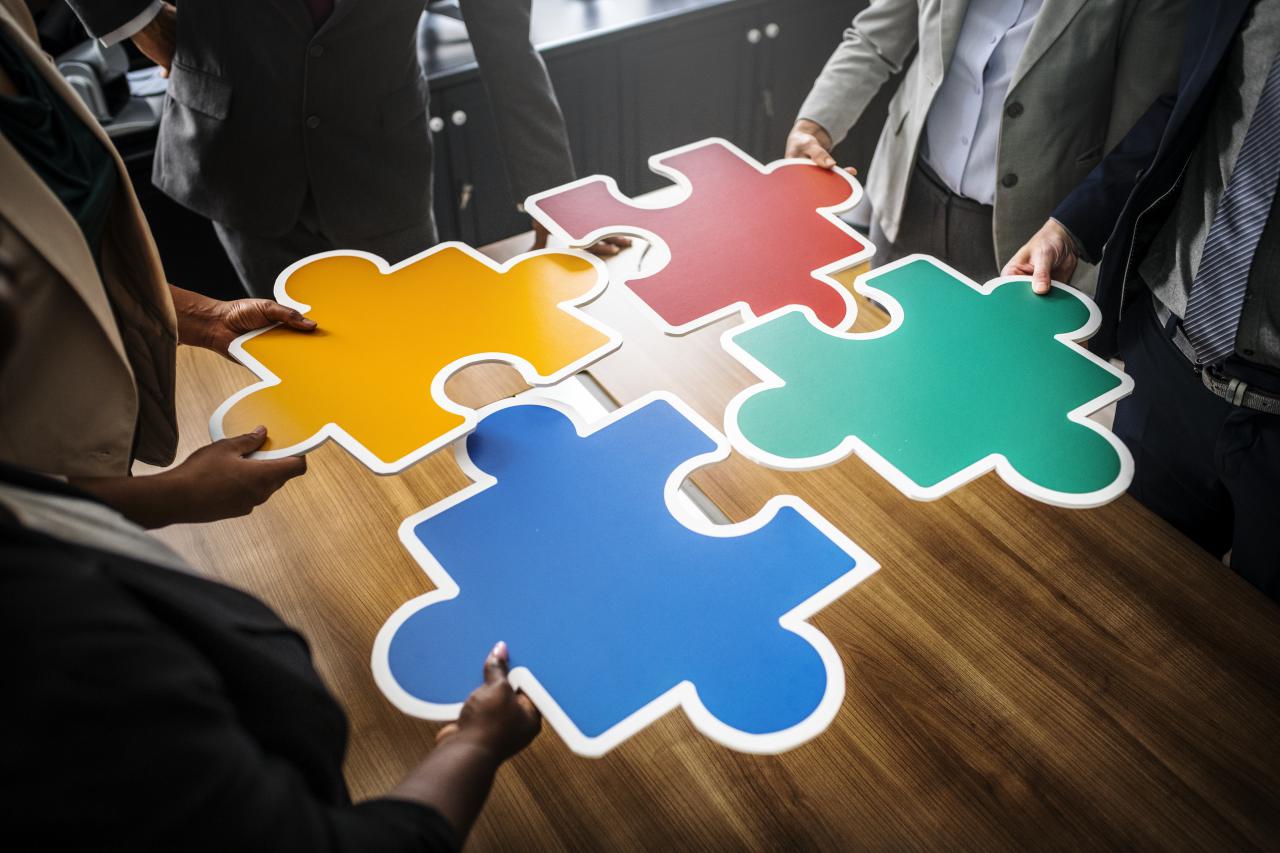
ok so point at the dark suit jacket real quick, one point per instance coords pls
(262, 106)
(1119, 208)
(147, 709)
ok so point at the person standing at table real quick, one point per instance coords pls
(91, 382)
(1006, 106)
(300, 126)
(1184, 217)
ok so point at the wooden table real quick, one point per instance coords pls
(1019, 676)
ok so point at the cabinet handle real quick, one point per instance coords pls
(464, 198)
(753, 35)
(436, 124)
(459, 118)
(772, 30)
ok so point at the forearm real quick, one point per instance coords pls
(454, 780)
(532, 135)
(196, 313)
(148, 502)
(875, 47)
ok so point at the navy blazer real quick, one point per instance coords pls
(1117, 210)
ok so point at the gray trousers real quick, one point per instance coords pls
(259, 260)
(935, 221)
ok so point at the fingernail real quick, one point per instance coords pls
(310, 324)
(499, 650)
(260, 430)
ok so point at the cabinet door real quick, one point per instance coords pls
(587, 84)
(683, 83)
(479, 196)
(442, 190)
(800, 36)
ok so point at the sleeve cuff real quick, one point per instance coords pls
(133, 27)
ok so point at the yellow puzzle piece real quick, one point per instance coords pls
(372, 375)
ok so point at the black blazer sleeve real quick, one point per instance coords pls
(120, 735)
(101, 17)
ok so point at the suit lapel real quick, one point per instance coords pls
(296, 12)
(1054, 17)
(1225, 24)
(36, 213)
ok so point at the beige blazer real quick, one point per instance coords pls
(89, 386)
(1090, 69)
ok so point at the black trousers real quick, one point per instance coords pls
(1209, 468)
(936, 221)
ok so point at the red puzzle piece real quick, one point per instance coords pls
(745, 238)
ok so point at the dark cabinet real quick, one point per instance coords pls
(681, 83)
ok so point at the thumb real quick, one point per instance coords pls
(495, 665)
(247, 443)
(1040, 277)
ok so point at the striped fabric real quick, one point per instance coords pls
(1217, 294)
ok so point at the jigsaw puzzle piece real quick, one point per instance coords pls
(615, 610)
(743, 237)
(372, 375)
(965, 379)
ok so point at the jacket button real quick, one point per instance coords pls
(1014, 110)
(313, 122)
(316, 50)
(1009, 180)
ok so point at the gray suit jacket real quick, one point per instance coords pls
(262, 106)
(1089, 71)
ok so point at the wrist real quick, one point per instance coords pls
(197, 316)
(811, 127)
(478, 751)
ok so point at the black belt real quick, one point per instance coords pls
(1234, 390)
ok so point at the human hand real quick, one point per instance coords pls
(495, 718)
(606, 248)
(214, 324)
(158, 40)
(810, 141)
(1050, 255)
(218, 481)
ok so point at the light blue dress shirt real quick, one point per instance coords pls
(962, 132)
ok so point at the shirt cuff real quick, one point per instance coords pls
(133, 27)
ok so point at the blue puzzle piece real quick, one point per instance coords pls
(615, 610)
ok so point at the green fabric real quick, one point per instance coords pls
(57, 145)
(966, 375)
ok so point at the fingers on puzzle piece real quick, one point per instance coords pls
(744, 239)
(372, 375)
(617, 604)
(965, 379)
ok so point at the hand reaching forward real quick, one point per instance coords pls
(214, 324)
(810, 141)
(495, 717)
(218, 481)
(1050, 255)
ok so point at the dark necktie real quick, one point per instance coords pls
(320, 10)
(1217, 294)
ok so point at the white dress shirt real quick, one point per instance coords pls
(962, 132)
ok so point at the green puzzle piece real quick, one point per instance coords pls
(965, 379)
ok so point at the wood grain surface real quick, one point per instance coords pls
(1019, 676)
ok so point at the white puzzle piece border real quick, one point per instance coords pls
(662, 253)
(852, 445)
(340, 436)
(683, 695)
